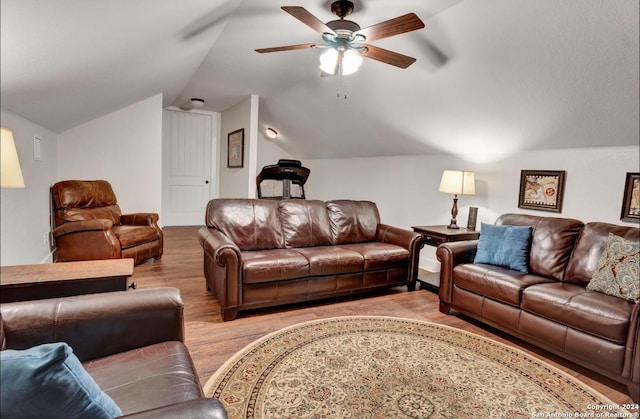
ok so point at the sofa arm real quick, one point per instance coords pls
(193, 409)
(219, 247)
(97, 325)
(450, 255)
(222, 269)
(410, 240)
(140, 218)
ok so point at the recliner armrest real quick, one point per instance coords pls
(192, 409)
(98, 224)
(97, 325)
(140, 218)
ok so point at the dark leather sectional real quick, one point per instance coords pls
(260, 253)
(550, 306)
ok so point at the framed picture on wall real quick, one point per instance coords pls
(235, 148)
(631, 199)
(541, 190)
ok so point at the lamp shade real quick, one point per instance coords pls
(11, 176)
(458, 182)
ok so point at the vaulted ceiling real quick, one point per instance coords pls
(491, 76)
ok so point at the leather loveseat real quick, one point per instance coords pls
(550, 305)
(260, 253)
(130, 343)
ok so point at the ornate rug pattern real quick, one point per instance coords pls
(384, 367)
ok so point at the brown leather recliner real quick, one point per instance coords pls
(89, 225)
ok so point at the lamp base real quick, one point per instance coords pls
(454, 213)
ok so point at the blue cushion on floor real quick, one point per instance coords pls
(503, 245)
(49, 381)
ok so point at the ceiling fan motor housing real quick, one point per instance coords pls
(341, 8)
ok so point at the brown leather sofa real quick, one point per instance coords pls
(260, 253)
(550, 306)
(89, 225)
(131, 343)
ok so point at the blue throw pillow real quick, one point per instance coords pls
(49, 381)
(506, 246)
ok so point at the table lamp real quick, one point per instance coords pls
(11, 176)
(457, 182)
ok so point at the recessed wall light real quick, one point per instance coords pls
(271, 133)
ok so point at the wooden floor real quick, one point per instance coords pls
(211, 341)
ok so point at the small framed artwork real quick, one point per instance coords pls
(541, 190)
(631, 199)
(235, 148)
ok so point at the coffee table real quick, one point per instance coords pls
(52, 280)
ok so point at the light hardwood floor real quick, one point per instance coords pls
(211, 341)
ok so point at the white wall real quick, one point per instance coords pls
(24, 213)
(124, 148)
(240, 182)
(406, 188)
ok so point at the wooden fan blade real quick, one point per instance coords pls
(401, 24)
(388, 57)
(287, 48)
(304, 16)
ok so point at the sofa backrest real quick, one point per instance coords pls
(252, 224)
(304, 223)
(80, 200)
(590, 246)
(552, 242)
(353, 221)
(259, 224)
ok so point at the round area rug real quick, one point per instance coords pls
(384, 367)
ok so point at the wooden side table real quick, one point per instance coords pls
(435, 236)
(52, 280)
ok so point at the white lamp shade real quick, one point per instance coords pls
(11, 176)
(458, 182)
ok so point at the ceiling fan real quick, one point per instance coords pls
(347, 42)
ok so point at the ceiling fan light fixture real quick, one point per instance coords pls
(328, 61)
(350, 62)
(197, 102)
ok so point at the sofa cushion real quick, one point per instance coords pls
(498, 283)
(353, 221)
(380, 255)
(304, 223)
(332, 260)
(152, 376)
(273, 265)
(617, 272)
(134, 235)
(552, 242)
(590, 247)
(49, 381)
(574, 306)
(503, 245)
(252, 224)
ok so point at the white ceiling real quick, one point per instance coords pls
(491, 75)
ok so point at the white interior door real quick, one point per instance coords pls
(186, 171)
